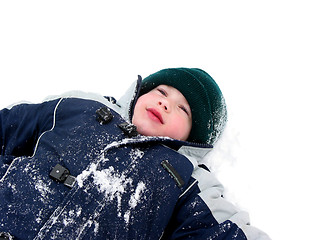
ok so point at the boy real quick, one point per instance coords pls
(90, 167)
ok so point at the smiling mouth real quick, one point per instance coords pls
(155, 115)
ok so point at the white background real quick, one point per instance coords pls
(265, 56)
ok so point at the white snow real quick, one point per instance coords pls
(264, 55)
(136, 154)
(135, 198)
(113, 184)
(44, 188)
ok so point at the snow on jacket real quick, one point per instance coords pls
(69, 172)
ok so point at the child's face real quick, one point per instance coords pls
(163, 111)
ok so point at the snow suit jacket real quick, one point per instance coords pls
(73, 167)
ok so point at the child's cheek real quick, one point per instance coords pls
(179, 128)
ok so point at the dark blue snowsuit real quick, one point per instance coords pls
(69, 171)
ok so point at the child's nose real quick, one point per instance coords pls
(165, 105)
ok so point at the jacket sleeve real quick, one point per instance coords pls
(203, 213)
(21, 126)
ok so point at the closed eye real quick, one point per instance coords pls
(184, 109)
(164, 93)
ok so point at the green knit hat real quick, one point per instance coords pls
(209, 114)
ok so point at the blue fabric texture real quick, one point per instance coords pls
(122, 189)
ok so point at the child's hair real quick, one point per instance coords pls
(209, 113)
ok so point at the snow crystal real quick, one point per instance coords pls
(110, 182)
(114, 184)
(136, 154)
(96, 227)
(67, 221)
(135, 198)
(107, 181)
(38, 216)
(44, 190)
(84, 175)
(126, 141)
(13, 187)
(126, 216)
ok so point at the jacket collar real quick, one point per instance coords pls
(127, 102)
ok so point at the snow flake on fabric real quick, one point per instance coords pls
(44, 189)
(134, 200)
(107, 181)
(227, 230)
(136, 154)
(71, 215)
(13, 188)
(114, 184)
